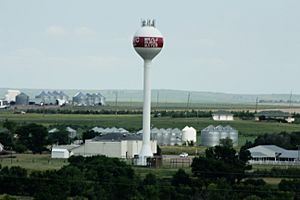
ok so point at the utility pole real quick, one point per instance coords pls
(188, 104)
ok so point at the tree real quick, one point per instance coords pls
(59, 137)
(33, 136)
(220, 162)
(11, 126)
(6, 138)
(88, 135)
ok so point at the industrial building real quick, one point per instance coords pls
(81, 99)
(22, 99)
(211, 136)
(113, 145)
(222, 115)
(274, 115)
(11, 95)
(272, 154)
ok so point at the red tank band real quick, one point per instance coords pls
(148, 42)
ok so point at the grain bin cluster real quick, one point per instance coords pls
(211, 135)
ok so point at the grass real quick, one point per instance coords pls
(33, 162)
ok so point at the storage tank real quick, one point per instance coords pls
(234, 136)
(210, 136)
(22, 99)
(189, 134)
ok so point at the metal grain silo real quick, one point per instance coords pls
(223, 131)
(22, 99)
(233, 135)
(210, 136)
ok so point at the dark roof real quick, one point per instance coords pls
(273, 113)
(117, 137)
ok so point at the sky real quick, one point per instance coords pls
(227, 46)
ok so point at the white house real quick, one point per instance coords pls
(222, 116)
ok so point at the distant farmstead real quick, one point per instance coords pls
(222, 116)
(88, 99)
(275, 115)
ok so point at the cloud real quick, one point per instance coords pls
(56, 31)
(85, 31)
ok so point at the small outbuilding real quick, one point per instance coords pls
(62, 151)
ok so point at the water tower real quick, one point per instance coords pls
(147, 42)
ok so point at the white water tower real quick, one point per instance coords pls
(147, 42)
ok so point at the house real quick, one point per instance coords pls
(275, 115)
(272, 154)
(222, 116)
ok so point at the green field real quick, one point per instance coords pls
(134, 122)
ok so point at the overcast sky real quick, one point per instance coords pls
(218, 46)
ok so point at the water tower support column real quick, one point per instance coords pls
(146, 147)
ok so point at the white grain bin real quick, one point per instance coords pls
(189, 134)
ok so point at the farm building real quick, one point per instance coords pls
(222, 116)
(62, 151)
(211, 136)
(272, 154)
(113, 145)
(22, 99)
(276, 115)
(81, 99)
